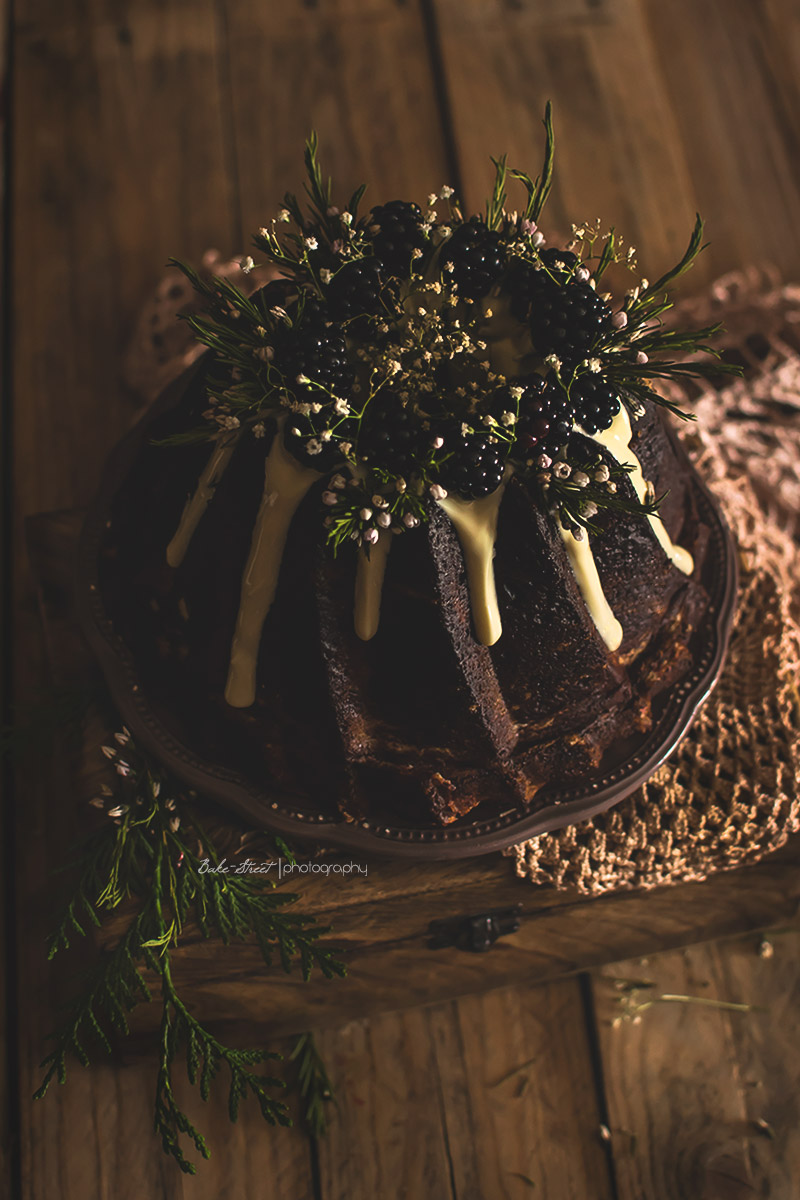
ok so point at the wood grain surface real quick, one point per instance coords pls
(142, 130)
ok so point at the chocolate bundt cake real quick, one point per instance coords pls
(416, 535)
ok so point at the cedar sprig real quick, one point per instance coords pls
(149, 850)
(314, 1085)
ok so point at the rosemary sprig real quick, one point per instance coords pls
(150, 850)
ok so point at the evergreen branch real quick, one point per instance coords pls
(545, 181)
(148, 853)
(314, 1085)
(652, 292)
(495, 206)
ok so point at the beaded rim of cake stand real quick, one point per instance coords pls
(564, 805)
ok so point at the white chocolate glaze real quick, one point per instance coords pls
(616, 440)
(475, 523)
(369, 586)
(286, 482)
(584, 569)
(197, 504)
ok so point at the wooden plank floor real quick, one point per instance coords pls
(141, 130)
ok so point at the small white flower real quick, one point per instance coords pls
(341, 406)
(432, 198)
(489, 420)
(580, 478)
(410, 521)
(371, 536)
(553, 361)
(326, 435)
(538, 239)
(332, 211)
(365, 514)
(515, 392)
(437, 443)
(438, 492)
(384, 520)
(156, 789)
(544, 461)
(109, 751)
(347, 218)
(338, 482)
(578, 534)
(562, 470)
(123, 769)
(379, 501)
(594, 365)
(119, 811)
(310, 243)
(345, 447)
(280, 314)
(619, 319)
(301, 378)
(258, 430)
(247, 265)
(325, 275)
(401, 485)
(230, 423)
(416, 252)
(641, 357)
(284, 214)
(590, 509)
(314, 446)
(329, 498)
(122, 739)
(98, 802)
(602, 474)
(582, 274)
(446, 193)
(508, 418)
(174, 824)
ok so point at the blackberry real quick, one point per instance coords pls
(478, 256)
(399, 233)
(355, 290)
(475, 463)
(565, 315)
(546, 416)
(390, 434)
(596, 402)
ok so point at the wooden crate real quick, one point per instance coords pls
(381, 921)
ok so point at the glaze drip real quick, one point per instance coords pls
(584, 569)
(616, 440)
(286, 482)
(369, 586)
(475, 522)
(197, 504)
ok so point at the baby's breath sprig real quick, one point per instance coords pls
(152, 849)
(580, 488)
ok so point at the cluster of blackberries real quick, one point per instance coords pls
(474, 462)
(564, 314)
(396, 232)
(355, 290)
(474, 257)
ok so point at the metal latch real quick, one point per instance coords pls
(474, 934)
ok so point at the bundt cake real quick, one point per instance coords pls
(415, 534)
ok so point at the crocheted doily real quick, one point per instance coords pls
(729, 793)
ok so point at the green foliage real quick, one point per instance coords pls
(314, 1086)
(153, 851)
